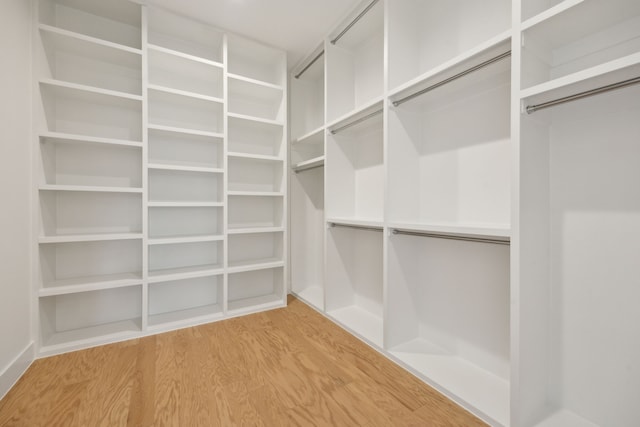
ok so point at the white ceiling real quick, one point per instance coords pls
(296, 26)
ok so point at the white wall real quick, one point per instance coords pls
(15, 191)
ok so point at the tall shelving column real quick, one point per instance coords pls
(307, 196)
(256, 190)
(185, 169)
(576, 259)
(88, 113)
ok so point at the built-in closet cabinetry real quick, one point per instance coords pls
(464, 198)
(160, 167)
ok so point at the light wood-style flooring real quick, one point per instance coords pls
(286, 367)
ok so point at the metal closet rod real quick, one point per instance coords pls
(355, 122)
(451, 237)
(533, 108)
(352, 23)
(318, 56)
(452, 78)
(307, 168)
(357, 227)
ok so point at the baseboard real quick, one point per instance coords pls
(16, 369)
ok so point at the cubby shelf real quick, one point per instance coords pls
(186, 317)
(187, 204)
(184, 273)
(186, 131)
(185, 93)
(88, 39)
(254, 265)
(177, 167)
(184, 239)
(91, 283)
(255, 193)
(89, 237)
(183, 55)
(89, 188)
(59, 85)
(255, 119)
(543, 15)
(255, 230)
(256, 82)
(60, 137)
(254, 156)
(310, 136)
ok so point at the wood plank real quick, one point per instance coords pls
(284, 367)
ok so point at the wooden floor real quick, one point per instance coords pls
(287, 367)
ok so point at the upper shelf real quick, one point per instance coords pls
(117, 21)
(256, 62)
(187, 36)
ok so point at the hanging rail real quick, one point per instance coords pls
(352, 23)
(357, 227)
(451, 237)
(533, 108)
(318, 56)
(452, 78)
(355, 122)
(307, 168)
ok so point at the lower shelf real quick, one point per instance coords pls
(312, 295)
(255, 290)
(85, 337)
(258, 303)
(188, 316)
(463, 381)
(360, 321)
(565, 418)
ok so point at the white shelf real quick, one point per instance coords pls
(72, 138)
(357, 113)
(176, 167)
(256, 119)
(85, 337)
(361, 322)
(188, 94)
(254, 81)
(464, 382)
(89, 188)
(91, 283)
(311, 136)
(255, 304)
(88, 39)
(256, 193)
(254, 265)
(254, 156)
(187, 131)
(183, 55)
(312, 295)
(89, 237)
(308, 164)
(184, 273)
(550, 13)
(176, 204)
(184, 239)
(178, 110)
(252, 230)
(61, 85)
(186, 317)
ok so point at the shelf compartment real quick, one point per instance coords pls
(308, 148)
(452, 153)
(355, 169)
(255, 175)
(93, 165)
(180, 273)
(424, 34)
(182, 186)
(89, 317)
(185, 35)
(256, 61)
(256, 290)
(62, 56)
(185, 301)
(307, 99)
(84, 213)
(551, 50)
(90, 189)
(307, 236)
(117, 22)
(355, 65)
(254, 100)
(449, 318)
(187, 150)
(90, 283)
(85, 263)
(174, 110)
(184, 258)
(168, 222)
(255, 248)
(354, 277)
(255, 212)
(65, 138)
(579, 274)
(251, 137)
(180, 73)
(73, 110)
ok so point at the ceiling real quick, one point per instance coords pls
(296, 26)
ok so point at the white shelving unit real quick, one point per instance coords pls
(160, 150)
